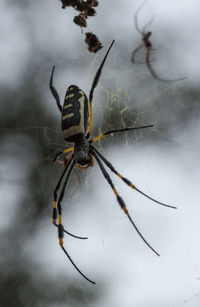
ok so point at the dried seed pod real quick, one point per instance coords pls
(93, 42)
(68, 3)
(80, 21)
(92, 3)
(81, 6)
(91, 12)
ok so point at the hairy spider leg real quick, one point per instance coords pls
(142, 45)
(118, 130)
(148, 63)
(94, 84)
(54, 91)
(128, 182)
(55, 200)
(120, 200)
(136, 51)
(60, 226)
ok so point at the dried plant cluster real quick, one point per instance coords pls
(86, 9)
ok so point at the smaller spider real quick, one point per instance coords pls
(146, 43)
(76, 122)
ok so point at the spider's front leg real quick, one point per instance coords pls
(94, 84)
(54, 91)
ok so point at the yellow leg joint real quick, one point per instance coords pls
(114, 190)
(68, 149)
(120, 176)
(54, 212)
(132, 186)
(92, 161)
(59, 219)
(98, 137)
(125, 210)
(61, 242)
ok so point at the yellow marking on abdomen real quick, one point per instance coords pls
(67, 116)
(68, 105)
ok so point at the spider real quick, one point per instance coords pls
(148, 46)
(76, 122)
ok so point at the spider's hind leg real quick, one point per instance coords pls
(60, 226)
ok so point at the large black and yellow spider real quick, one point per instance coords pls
(76, 122)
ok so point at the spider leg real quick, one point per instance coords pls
(54, 91)
(60, 226)
(117, 130)
(136, 18)
(57, 155)
(55, 200)
(128, 182)
(148, 24)
(136, 51)
(94, 84)
(148, 63)
(61, 152)
(148, 51)
(120, 200)
(68, 149)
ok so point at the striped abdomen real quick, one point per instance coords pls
(75, 114)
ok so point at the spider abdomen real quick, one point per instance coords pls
(75, 114)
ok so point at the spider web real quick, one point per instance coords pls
(162, 161)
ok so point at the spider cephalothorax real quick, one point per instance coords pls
(76, 122)
(81, 152)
